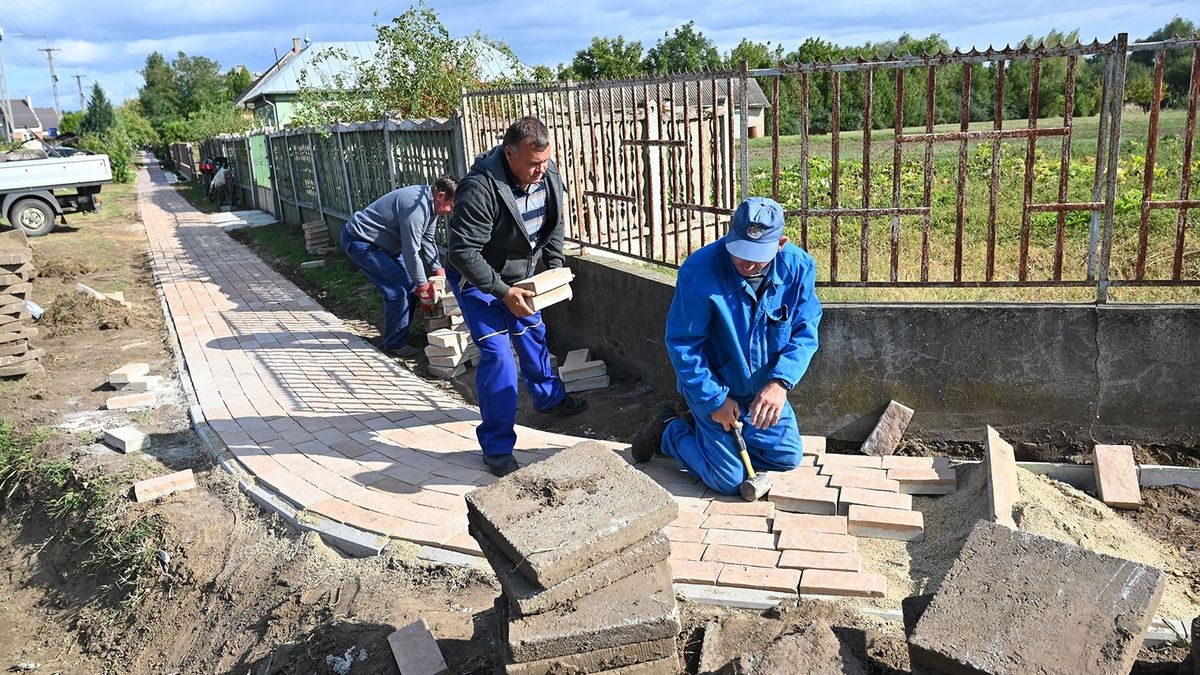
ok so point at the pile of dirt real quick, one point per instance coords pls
(76, 312)
(60, 267)
(1048, 508)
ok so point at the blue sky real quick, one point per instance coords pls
(108, 41)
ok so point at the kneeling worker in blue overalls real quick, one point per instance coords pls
(507, 217)
(741, 332)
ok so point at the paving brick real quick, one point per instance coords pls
(695, 572)
(1001, 465)
(887, 500)
(126, 439)
(638, 608)
(796, 479)
(744, 576)
(878, 523)
(447, 373)
(123, 374)
(434, 350)
(741, 507)
(547, 281)
(737, 555)
(888, 431)
(833, 582)
(932, 481)
(416, 651)
(805, 521)
(829, 459)
(865, 481)
(1062, 609)
(736, 538)
(141, 383)
(914, 463)
(641, 658)
(682, 551)
(685, 535)
(130, 400)
(161, 486)
(566, 513)
(590, 384)
(552, 297)
(445, 338)
(576, 356)
(818, 500)
(813, 445)
(721, 521)
(689, 519)
(1116, 476)
(823, 542)
(843, 562)
(582, 371)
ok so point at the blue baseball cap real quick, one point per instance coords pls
(756, 229)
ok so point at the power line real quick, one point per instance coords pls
(53, 76)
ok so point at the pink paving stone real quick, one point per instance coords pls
(844, 562)
(682, 551)
(824, 542)
(685, 535)
(745, 523)
(689, 519)
(865, 481)
(807, 521)
(831, 582)
(914, 463)
(731, 507)
(737, 538)
(695, 572)
(879, 498)
(737, 555)
(931, 481)
(813, 445)
(805, 499)
(743, 576)
(464, 543)
(850, 460)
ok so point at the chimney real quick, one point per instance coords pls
(296, 45)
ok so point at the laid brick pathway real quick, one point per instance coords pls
(323, 419)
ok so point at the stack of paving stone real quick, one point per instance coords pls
(578, 373)
(577, 544)
(549, 287)
(17, 357)
(316, 238)
(135, 383)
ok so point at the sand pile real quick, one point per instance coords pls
(1047, 507)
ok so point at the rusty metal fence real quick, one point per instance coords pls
(654, 167)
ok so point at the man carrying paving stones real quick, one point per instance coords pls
(391, 241)
(507, 217)
(741, 331)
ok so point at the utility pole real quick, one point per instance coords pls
(53, 76)
(82, 101)
(5, 104)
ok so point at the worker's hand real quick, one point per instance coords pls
(728, 415)
(439, 272)
(768, 405)
(518, 302)
(425, 295)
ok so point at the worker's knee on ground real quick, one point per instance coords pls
(725, 482)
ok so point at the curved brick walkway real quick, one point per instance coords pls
(321, 418)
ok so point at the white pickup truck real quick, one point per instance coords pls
(32, 190)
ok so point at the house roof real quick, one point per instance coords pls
(47, 116)
(284, 76)
(24, 115)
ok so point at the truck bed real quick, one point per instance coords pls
(54, 173)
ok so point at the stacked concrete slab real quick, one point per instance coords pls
(549, 287)
(581, 373)
(316, 238)
(450, 347)
(17, 356)
(577, 544)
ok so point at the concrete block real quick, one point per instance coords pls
(823, 542)
(130, 400)
(525, 597)
(805, 560)
(1116, 476)
(728, 596)
(31, 355)
(447, 373)
(711, 659)
(12, 347)
(880, 523)
(124, 374)
(866, 481)
(1062, 609)
(576, 357)
(450, 362)
(560, 294)
(878, 498)
(740, 555)
(817, 500)
(805, 521)
(638, 608)
(142, 383)
(833, 582)
(886, 435)
(695, 571)
(569, 512)
(434, 351)
(931, 481)
(153, 488)
(1001, 466)
(126, 439)
(590, 384)
(312, 264)
(416, 651)
(611, 660)
(16, 257)
(32, 367)
(582, 371)
(445, 338)
(547, 281)
(744, 576)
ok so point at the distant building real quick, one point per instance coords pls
(30, 122)
(271, 97)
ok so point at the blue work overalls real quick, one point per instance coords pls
(724, 340)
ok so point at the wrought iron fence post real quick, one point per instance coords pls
(345, 169)
(312, 157)
(391, 154)
(744, 132)
(1114, 141)
(274, 171)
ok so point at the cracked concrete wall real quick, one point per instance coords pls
(1038, 373)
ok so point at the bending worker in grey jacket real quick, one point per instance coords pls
(391, 241)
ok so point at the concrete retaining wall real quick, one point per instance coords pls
(1035, 372)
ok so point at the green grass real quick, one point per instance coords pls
(193, 191)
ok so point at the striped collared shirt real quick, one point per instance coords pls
(532, 205)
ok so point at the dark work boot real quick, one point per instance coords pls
(648, 440)
(501, 465)
(568, 407)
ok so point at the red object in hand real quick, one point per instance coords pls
(425, 297)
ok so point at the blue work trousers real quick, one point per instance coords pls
(496, 332)
(392, 279)
(711, 453)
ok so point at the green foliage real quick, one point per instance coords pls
(158, 97)
(70, 122)
(687, 49)
(199, 83)
(237, 80)
(114, 143)
(99, 117)
(606, 59)
(754, 54)
(1177, 66)
(137, 128)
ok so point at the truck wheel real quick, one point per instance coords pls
(33, 216)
